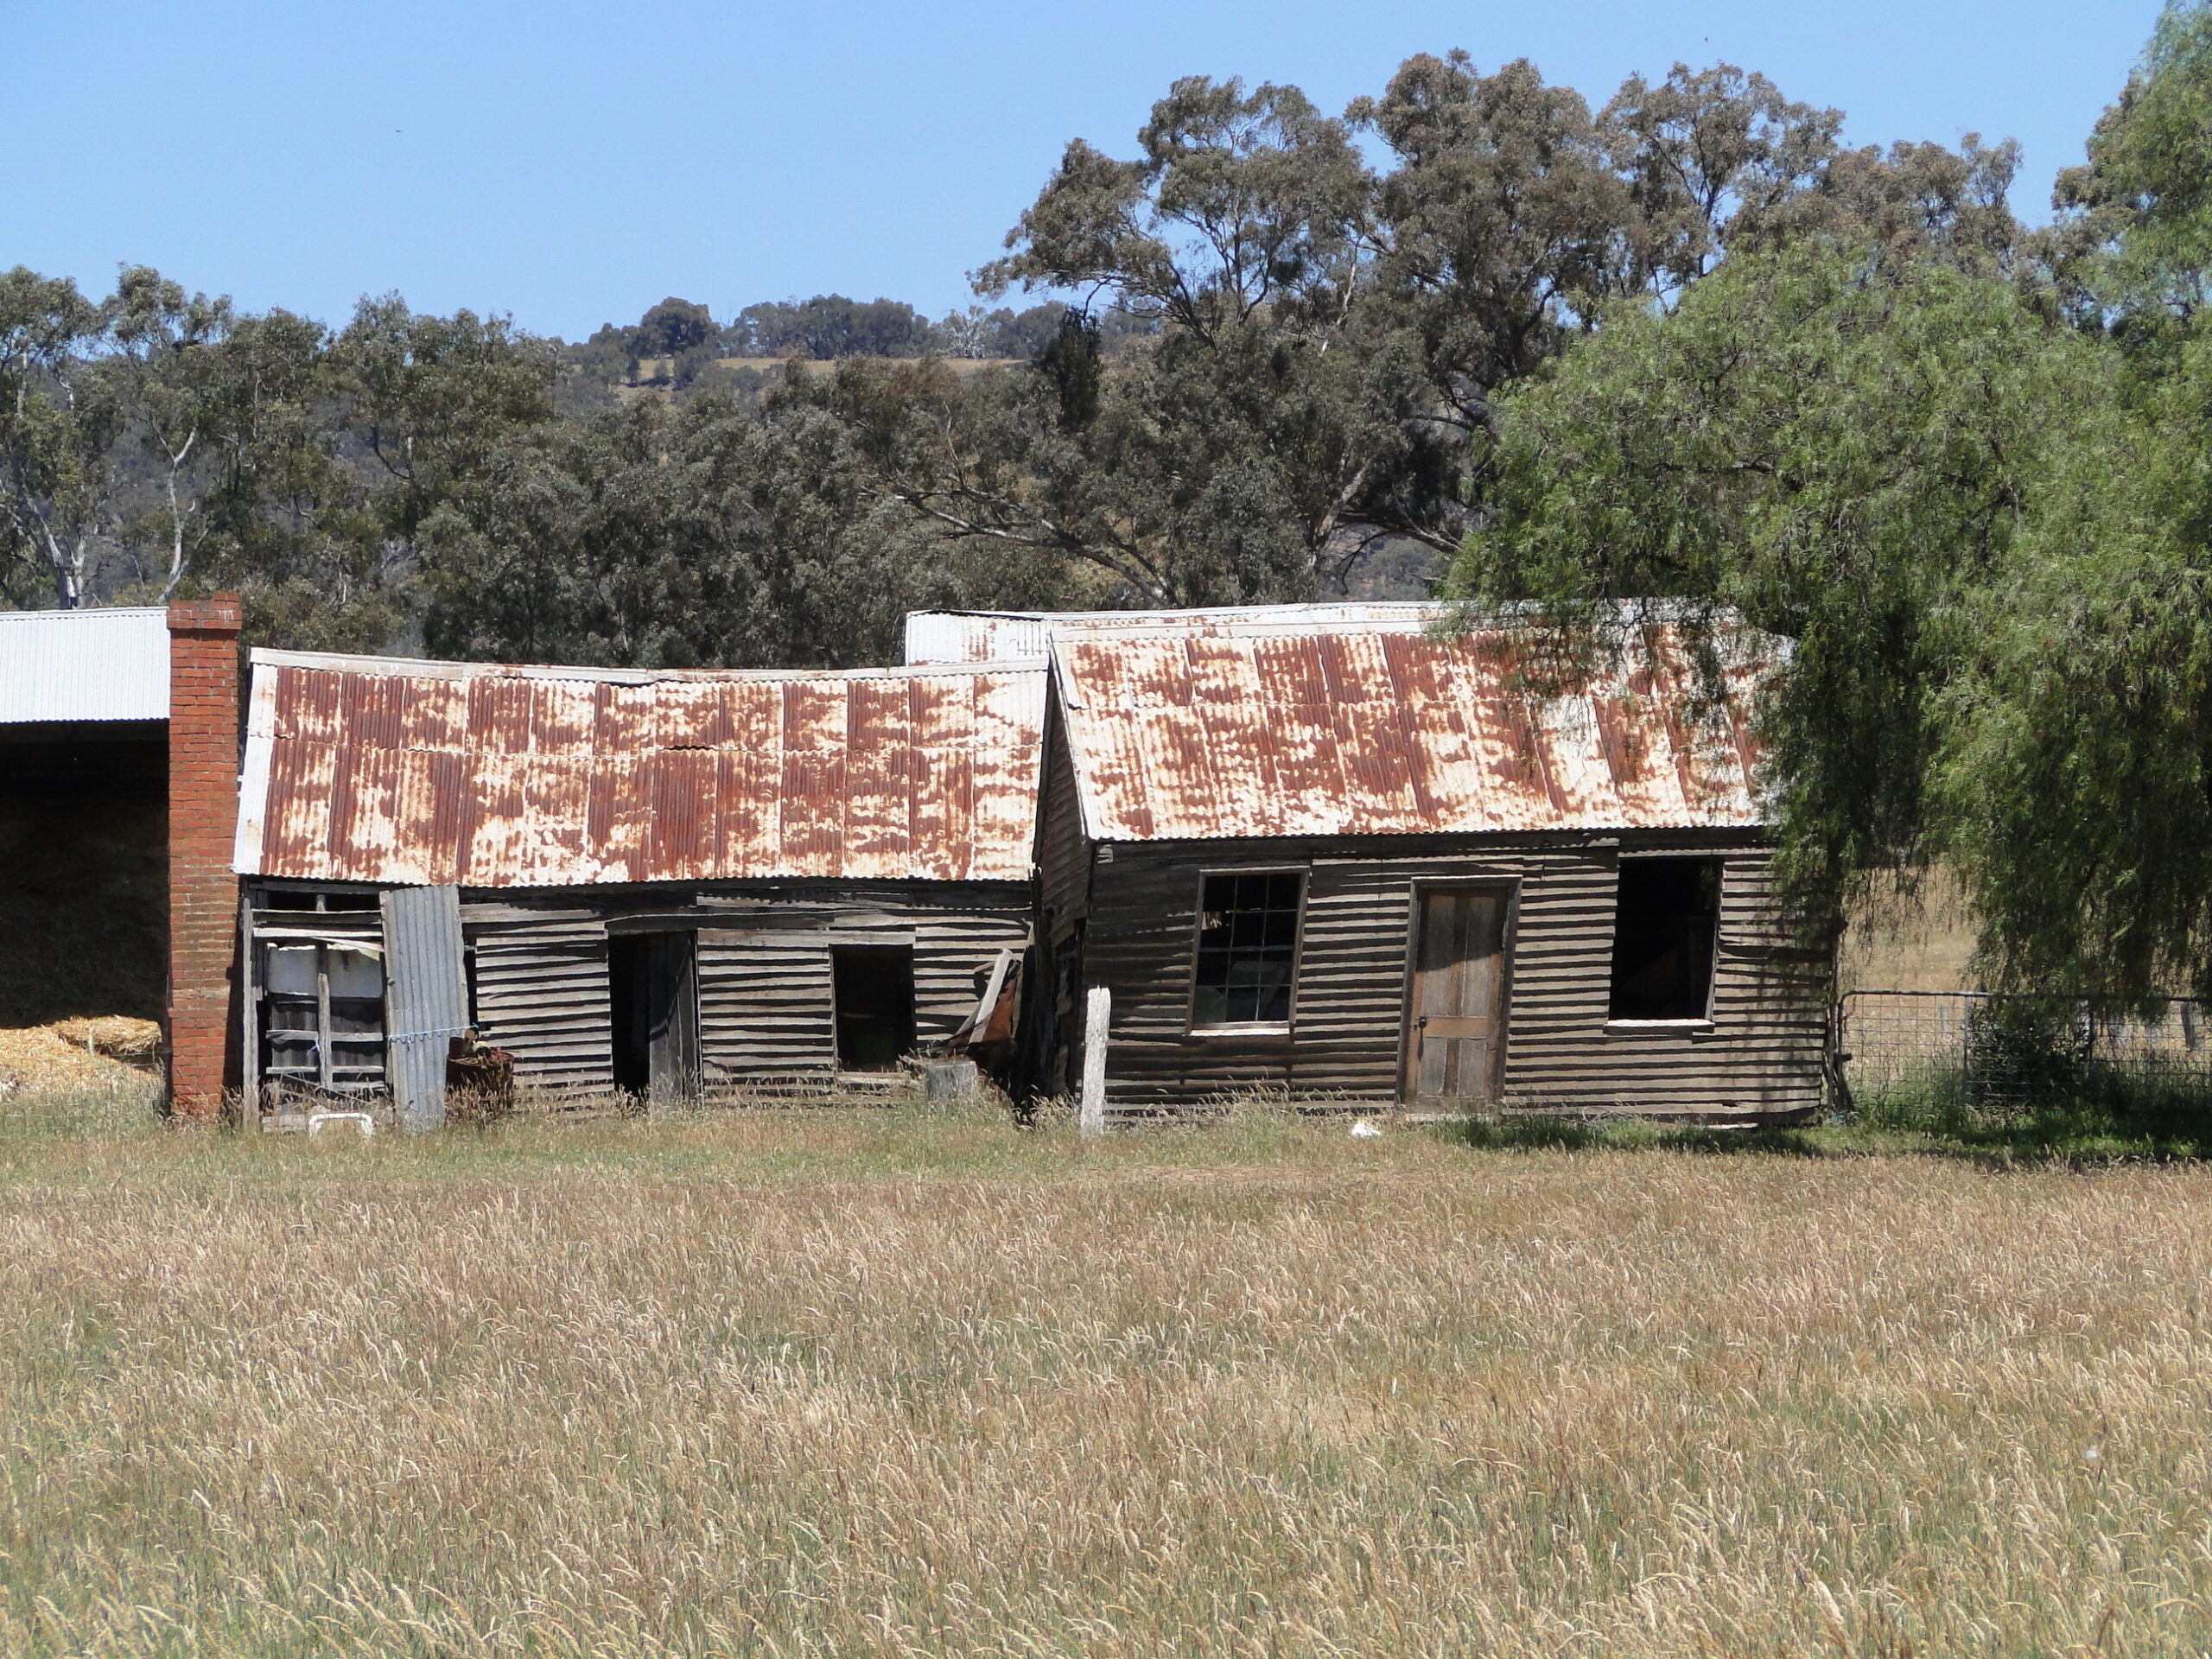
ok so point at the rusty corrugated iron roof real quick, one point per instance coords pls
(1265, 731)
(369, 769)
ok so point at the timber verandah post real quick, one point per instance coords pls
(203, 894)
(1097, 1016)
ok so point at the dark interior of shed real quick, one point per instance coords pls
(873, 985)
(84, 870)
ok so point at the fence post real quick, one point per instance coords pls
(1097, 1008)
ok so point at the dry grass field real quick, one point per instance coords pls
(887, 1383)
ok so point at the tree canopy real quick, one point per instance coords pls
(1677, 351)
(1962, 472)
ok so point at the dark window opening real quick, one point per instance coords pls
(1664, 933)
(1247, 949)
(873, 988)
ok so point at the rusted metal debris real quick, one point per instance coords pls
(482, 775)
(1262, 731)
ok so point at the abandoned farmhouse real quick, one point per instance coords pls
(1355, 862)
(1325, 850)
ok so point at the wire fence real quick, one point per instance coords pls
(2002, 1055)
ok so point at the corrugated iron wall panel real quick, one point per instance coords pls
(1025, 636)
(97, 664)
(426, 995)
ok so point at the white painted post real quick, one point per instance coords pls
(1097, 1008)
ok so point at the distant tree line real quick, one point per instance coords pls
(1250, 360)
(1683, 345)
(678, 345)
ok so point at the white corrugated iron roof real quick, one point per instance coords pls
(1025, 636)
(74, 665)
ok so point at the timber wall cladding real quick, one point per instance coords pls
(765, 1006)
(1763, 1055)
(1063, 864)
(542, 995)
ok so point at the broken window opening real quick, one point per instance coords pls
(872, 986)
(1247, 949)
(323, 1016)
(1666, 928)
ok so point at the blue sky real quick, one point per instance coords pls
(572, 163)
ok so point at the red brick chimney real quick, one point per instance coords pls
(203, 821)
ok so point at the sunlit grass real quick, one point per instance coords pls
(877, 1381)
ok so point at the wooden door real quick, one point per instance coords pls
(1455, 1011)
(672, 1015)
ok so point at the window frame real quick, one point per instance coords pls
(1282, 1028)
(323, 1035)
(1690, 1024)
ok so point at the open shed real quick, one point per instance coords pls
(672, 882)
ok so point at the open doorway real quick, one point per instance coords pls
(873, 985)
(652, 990)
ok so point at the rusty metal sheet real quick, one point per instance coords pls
(1301, 726)
(370, 769)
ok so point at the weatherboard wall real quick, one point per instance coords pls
(1761, 1057)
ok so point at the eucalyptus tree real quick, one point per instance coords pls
(59, 422)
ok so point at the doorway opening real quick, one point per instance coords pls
(874, 985)
(653, 998)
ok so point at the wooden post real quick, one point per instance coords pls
(1097, 1008)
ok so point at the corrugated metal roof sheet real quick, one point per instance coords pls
(487, 776)
(1266, 731)
(1025, 636)
(99, 665)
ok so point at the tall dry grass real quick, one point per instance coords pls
(805, 1385)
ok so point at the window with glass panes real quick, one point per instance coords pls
(1248, 948)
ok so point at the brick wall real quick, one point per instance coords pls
(203, 819)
